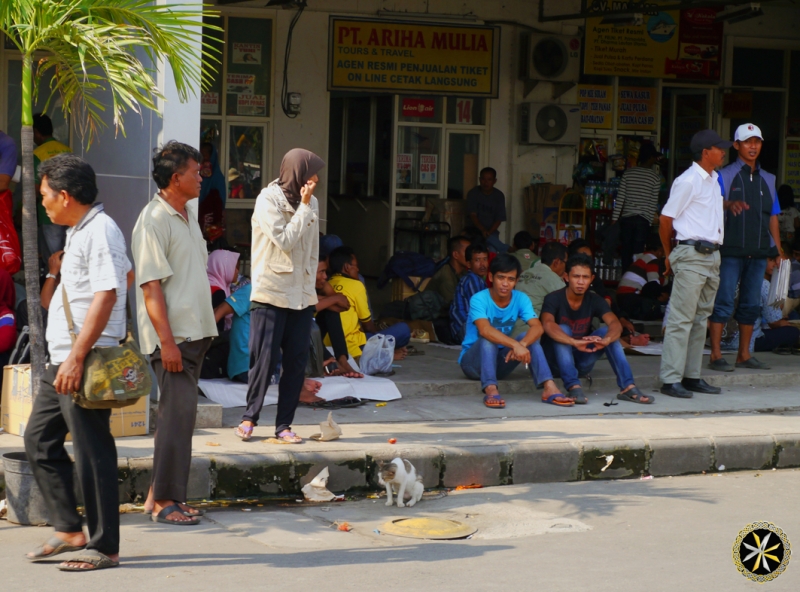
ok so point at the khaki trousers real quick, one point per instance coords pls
(691, 303)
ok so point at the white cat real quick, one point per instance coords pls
(401, 477)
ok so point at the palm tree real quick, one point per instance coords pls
(90, 47)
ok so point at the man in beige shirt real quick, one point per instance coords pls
(285, 252)
(176, 320)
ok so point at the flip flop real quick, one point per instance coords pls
(93, 557)
(577, 395)
(634, 395)
(347, 402)
(197, 511)
(58, 547)
(321, 404)
(289, 437)
(243, 432)
(162, 517)
(552, 400)
(494, 402)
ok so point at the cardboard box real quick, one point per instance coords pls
(401, 290)
(18, 402)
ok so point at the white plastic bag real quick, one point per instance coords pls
(378, 355)
(779, 286)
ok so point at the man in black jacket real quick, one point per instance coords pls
(751, 228)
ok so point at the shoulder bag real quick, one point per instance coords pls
(114, 376)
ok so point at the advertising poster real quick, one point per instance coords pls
(793, 165)
(637, 108)
(403, 169)
(597, 106)
(246, 53)
(669, 44)
(428, 169)
(410, 57)
(209, 103)
(240, 84)
(418, 107)
(251, 104)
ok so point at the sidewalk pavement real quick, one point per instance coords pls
(442, 427)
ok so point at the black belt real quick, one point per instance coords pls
(709, 244)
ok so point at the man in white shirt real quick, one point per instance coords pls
(694, 212)
(93, 281)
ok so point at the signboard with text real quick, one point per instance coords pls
(637, 108)
(408, 57)
(670, 44)
(597, 106)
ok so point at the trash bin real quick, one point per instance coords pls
(24, 498)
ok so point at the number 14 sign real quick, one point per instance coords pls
(464, 111)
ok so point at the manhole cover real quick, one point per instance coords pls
(437, 529)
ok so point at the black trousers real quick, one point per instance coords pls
(330, 323)
(95, 452)
(633, 232)
(177, 412)
(277, 333)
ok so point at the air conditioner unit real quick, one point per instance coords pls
(555, 58)
(550, 124)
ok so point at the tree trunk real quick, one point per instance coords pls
(30, 242)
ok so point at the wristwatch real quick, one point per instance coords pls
(50, 275)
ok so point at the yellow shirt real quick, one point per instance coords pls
(356, 295)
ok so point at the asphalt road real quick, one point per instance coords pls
(662, 534)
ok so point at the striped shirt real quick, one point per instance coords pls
(638, 194)
(468, 286)
(95, 260)
(643, 270)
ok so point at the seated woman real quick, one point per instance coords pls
(329, 305)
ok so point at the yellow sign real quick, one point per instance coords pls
(597, 106)
(412, 58)
(792, 175)
(637, 108)
(632, 50)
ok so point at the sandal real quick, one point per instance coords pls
(243, 432)
(577, 395)
(783, 350)
(192, 511)
(634, 395)
(94, 558)
(58, 547)
(289, 437)
(565, 401)
(162, 517)
(494, 402)
(347, 402)
(321, 404)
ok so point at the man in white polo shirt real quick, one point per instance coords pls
(93, 281)
(694, 212)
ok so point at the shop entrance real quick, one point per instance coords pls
(684, 113)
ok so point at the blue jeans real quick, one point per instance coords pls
(493, 242)
(400, 331)
(571, 362)
(747, 273)
(485, 361)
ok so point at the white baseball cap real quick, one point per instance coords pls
(747, 131)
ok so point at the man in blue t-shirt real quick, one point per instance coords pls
(571, 347)
(488, 351)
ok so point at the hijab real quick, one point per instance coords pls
(297, 167)
(216, 180)
(221, 274)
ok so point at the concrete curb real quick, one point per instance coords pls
(284, 473)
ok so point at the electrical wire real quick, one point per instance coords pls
(285, 85)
